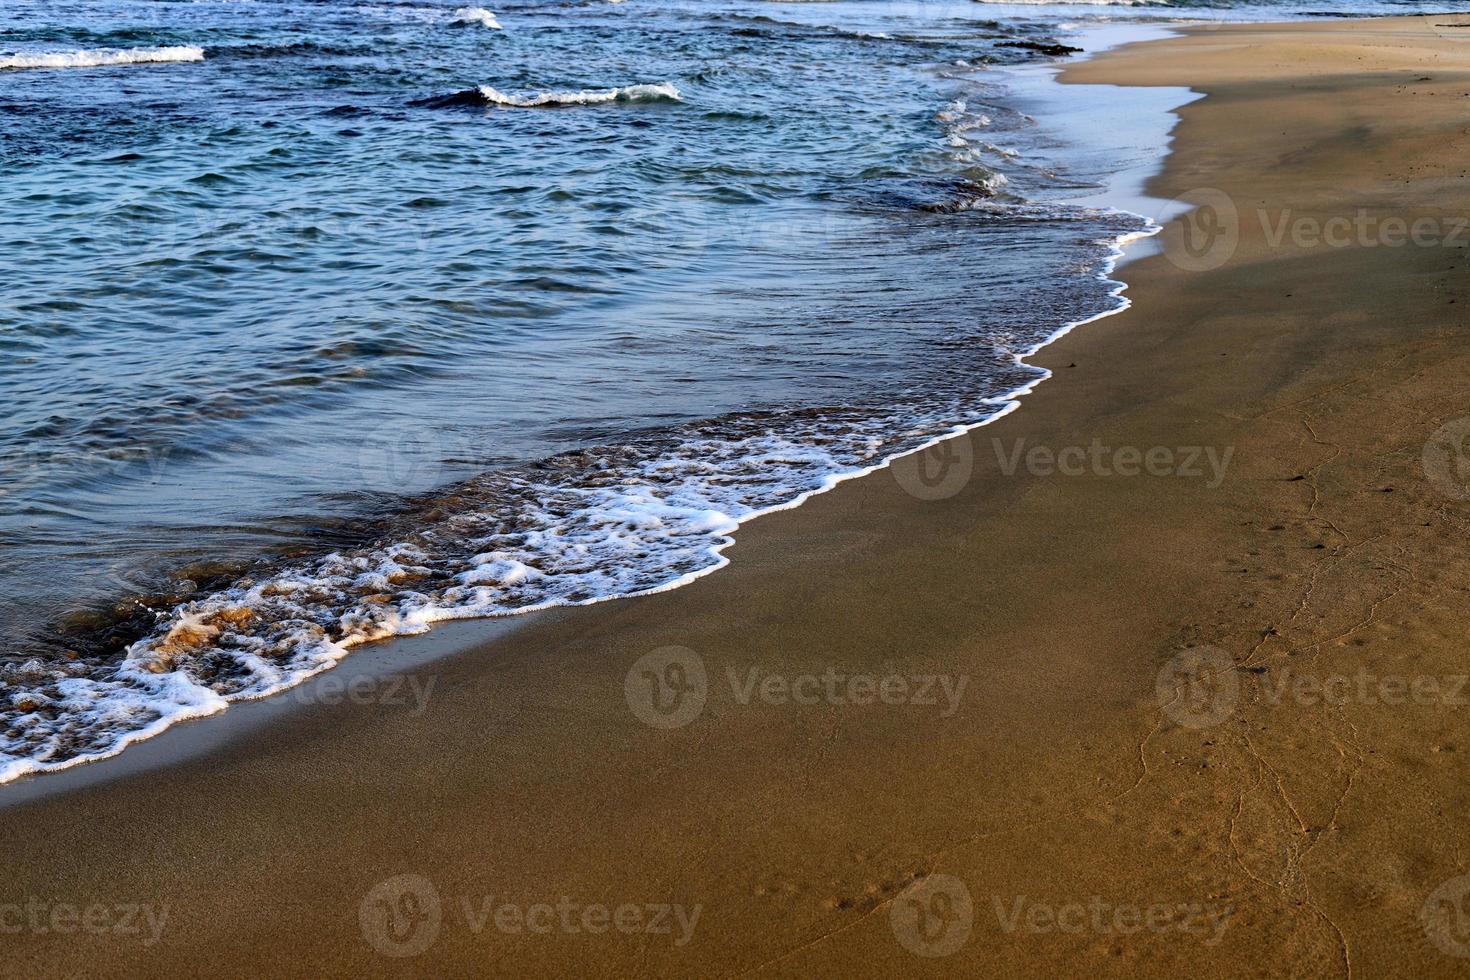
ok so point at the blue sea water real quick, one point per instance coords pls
(323, 321)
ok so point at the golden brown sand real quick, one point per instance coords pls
(1058, 821)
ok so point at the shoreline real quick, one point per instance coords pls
(1058, 778)
(1126, 188)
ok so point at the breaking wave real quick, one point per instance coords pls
(476, 15)
(485, 95)
(102, 57)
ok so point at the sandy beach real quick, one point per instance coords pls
(1162, 673)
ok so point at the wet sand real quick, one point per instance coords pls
(1001, 764)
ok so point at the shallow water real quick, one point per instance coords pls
(325, 321)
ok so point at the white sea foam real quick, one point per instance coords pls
(476, 15)
(100, 57)
(629, 93)
(970, 155)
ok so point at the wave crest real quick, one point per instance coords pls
(476, 15)
(485, 95)
(659, 92)
(102, 56)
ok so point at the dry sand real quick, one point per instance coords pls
(1079, 828)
